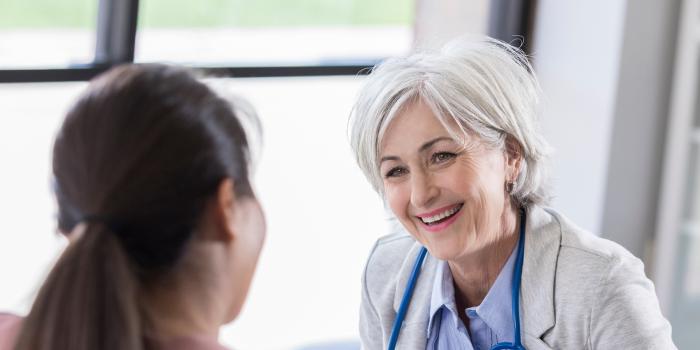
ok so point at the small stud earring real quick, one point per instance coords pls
(509, 186)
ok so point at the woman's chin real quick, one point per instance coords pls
(443, 253)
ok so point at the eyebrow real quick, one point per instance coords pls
(422, 148)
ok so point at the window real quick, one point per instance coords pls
(273, 32)
(322, 215)
(28, 246)
(46, 33)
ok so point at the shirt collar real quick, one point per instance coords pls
(443, 293)
(496, 308)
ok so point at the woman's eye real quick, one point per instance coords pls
(442, 157)
(395, 172)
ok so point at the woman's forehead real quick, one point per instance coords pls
(414, 141)
(416, 124)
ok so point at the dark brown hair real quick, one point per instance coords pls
(135, 160)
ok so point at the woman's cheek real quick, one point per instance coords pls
(394, 198)
(399, 201)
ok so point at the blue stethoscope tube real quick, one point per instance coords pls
(515, 294)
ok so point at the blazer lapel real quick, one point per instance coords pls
(542, 242)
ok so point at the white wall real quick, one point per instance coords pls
(576, 51)
(606, 69)
(641, 118)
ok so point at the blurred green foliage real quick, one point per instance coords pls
(212, 13)
(48, 13)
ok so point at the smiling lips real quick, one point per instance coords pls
(439, 219)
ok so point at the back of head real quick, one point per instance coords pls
(134, 163)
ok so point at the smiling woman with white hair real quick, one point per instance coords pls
(450, 141)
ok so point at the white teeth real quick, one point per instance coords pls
(441, 216)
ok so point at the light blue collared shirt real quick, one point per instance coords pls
(489, 323)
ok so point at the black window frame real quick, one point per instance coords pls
(117, 22)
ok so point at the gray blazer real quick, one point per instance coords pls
(578, 291)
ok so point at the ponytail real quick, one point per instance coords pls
(89, 300)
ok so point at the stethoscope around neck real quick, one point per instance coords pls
(515, 294)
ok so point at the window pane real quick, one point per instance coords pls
(273, 32)
(323, 216)
(47, 33)
(31, 114)
(685, 315)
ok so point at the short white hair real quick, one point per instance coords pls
(481, 85)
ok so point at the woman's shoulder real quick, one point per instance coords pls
(389, 253)
(584, 246)
(10, 326)
(387, 263)
(399, 240)
(386, 275)
(591, 263)
(603, 280)
(184, 343)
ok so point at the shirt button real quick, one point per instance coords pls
(472, 313)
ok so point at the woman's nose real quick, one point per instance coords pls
(423, 190)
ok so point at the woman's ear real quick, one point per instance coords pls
(224, 210)
(514, 156)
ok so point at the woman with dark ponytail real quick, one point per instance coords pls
(151, 172)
